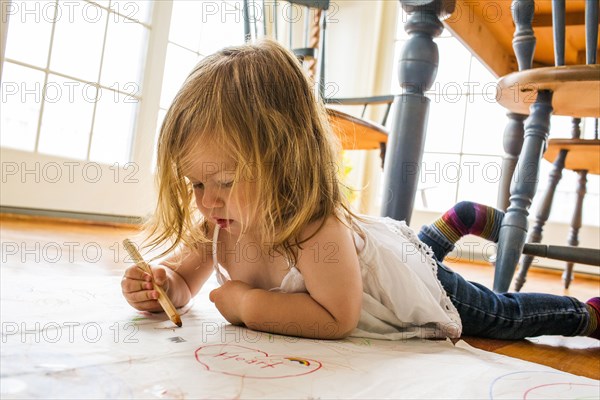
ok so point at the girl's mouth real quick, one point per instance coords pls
(223, 223)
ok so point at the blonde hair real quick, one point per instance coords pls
(256, 102)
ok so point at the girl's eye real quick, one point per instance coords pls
(227, 184)
(198, 185)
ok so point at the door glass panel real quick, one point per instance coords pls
(78, 38)
(66, 121)
(21, 102)
(123, 55)
(113, 127)
(28, 38)
(178, 65)
(137, 10)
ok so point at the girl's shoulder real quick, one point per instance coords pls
(327, 241)
(328, 235)
(326, 227)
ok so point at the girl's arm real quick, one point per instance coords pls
(330, 309)
(295, 314)
(181, 277)
(185, 276)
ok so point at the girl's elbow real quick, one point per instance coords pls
(343, 333)
(346, 326)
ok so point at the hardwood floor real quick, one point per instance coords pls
(580, 356)
(576, 355)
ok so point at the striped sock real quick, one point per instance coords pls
(469, 218)
(593, 306)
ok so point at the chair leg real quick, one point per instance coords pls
(524, 46)
(535, 234)
(418, 66)
(575, 225)
(513, 141)
(382, 148)
(514, 225)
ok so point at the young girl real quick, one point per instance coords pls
(248, 188)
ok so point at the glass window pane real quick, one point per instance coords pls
(484, 126)
(439, 177)
(566, 183)
(206, 26)
(185, 25)
(28, 38)
(453, 71)
(123, 55)
(482, 79)
(222, 27)
(113, 128)
(103, 3)
(178, 65)
(137, 10)
(21, 102)
(563, 203)
(562, 208)
(445, 123)
(78, 38)
(66, 122)
(480, 179)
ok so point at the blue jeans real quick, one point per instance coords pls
(485, 313)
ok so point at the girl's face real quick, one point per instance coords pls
(212, 175)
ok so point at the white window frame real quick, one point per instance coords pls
(122, 192)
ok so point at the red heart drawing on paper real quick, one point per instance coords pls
(231, 359)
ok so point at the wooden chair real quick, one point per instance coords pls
(355, 132)
(576, 154)
(571, 90)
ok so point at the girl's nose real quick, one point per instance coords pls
(211, 199)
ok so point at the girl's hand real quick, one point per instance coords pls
(138, 289)
(229, 300)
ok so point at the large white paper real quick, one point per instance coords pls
(74, 336)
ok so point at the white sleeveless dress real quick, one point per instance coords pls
(402, 297)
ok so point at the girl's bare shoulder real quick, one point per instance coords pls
(327, 240)
(330, 227)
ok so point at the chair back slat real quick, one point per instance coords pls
(255, 18)
(575, 128)
(523, 40)
(307, 27)
(320, 67)
(558, 31)
(264, 18)
(246, 10)
(251, 23)
(275, 19)
(290, 32)
(591, 30)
